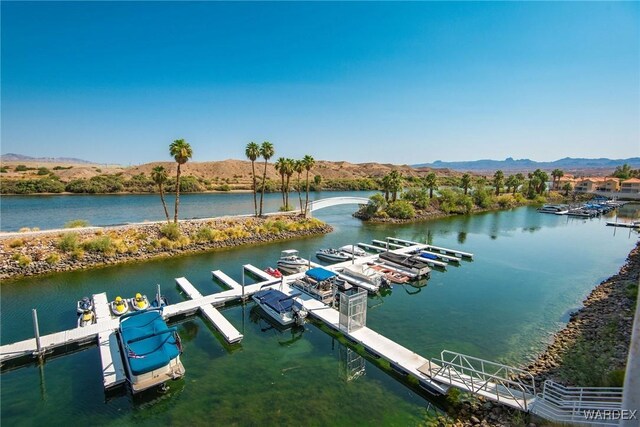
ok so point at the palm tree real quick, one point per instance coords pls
(308, 162)
(385, 182)
(512, 182)
(431, 182)
(465, 182)
(252, 151)
(181, 152)
(298, 167)
(266, 151)
(498, 181)
(280, 165)
(395, 184)
(567, 187)
(159, 176)
(556, 174)
(289, 169)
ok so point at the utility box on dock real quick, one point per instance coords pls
(353, 310)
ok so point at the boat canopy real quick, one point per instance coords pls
(288, 252)
(276, 300)
(319, 274)
(149, 344)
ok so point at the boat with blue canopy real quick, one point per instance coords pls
(150, 350)
(321, 284)
(283, 308)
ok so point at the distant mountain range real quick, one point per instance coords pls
(509, 164)
(12, 157)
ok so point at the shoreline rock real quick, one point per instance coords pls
(41, 254)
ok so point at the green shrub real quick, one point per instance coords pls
(43, 171)
(400, 209)
(21, 168)
(76, 223)
(101, 244)
(3, 169)
(224, 187)
(171, 231)
(482, 198)
(77, 254)
(52, 259)
(59, 168)
(505, 201)
(205, 234)
(68, 242)
(24, 260)
(615, 378)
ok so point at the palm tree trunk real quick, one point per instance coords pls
(299, 194)
(431, 193)
(282, 189)
(175, 217)
(264, 182)
(465, 190)
(164, 204)
(306, 197)
(287, 187)
(255, 201)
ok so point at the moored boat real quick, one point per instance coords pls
(139, 302)
(552, 208)
(365, 277)
(274, 272)
(119, 306)
(150, 350)
(353, 250)
(283, 308)
(87, 317)
(291, 262)
(333, 255)
(391, 275)
(320, 283)
(84, 304)
(414, 264)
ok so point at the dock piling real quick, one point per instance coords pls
(243, 273)
(36, 330)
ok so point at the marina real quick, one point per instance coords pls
(227, 307)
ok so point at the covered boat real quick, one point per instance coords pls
(291, 262)
(150, 349)
(333, 255)
(283, 308)
(364, 276)
(320, 283)
(413, 264)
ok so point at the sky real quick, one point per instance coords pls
(117, 82)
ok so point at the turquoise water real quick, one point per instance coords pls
(108, 209)
(529, 270)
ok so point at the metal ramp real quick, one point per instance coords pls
(507, 385)
(579, 405)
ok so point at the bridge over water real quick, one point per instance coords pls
(335, 201)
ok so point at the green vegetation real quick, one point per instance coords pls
(252, 151)
(159, 176)
(43, 171)
(266, 151)
(23, 260)
(60, 168)
(181, 152)
(16, 243)
(625, 172)
(77, 223)
(100, 244)
(3, 169)
(52, 259)
(400, 209)
(30, 186)
(68, 242)
(22, 168)
(171, 231)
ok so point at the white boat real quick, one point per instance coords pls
(291, 262)
(88, 317)
(283, 308)
(333, 255)
(84, 304)
(139, 302)
(321, 284)
(150, 349)
(365, 277)
(553, 209)
(353, 250)
(119, 306)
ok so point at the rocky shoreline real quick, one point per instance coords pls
(591, 350)
(68, 250)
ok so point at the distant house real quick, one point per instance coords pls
(563, 180)
(631, 185)
(591, 184)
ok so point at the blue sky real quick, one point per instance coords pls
(116, 82)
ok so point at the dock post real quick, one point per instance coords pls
(353, 254)
(387, 243)
(159, 297)
(243, 283)
(37, 334)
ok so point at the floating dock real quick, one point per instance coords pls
(384, 244)
(371, 248)
(226, 280)
(255, 271)
(448, 258)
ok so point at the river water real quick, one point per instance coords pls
(530, 270)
